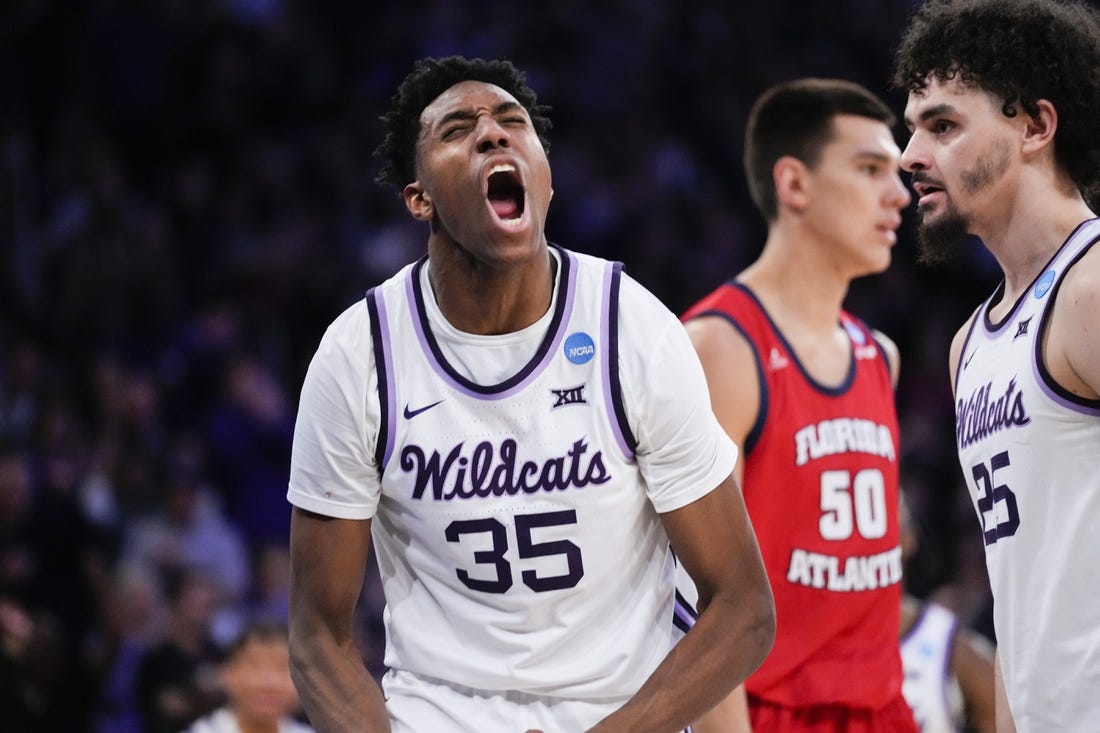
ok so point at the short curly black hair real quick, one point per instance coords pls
(429, 78)
(1022, 51)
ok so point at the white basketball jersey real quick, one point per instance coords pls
(1030, 453)
(516, 541)
(930, 689)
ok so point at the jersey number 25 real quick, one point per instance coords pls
(991, 495)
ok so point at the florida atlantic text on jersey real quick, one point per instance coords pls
(821, 487)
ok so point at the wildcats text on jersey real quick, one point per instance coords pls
(828, 572)
(490, 472)
(841, 435)
(982, 415)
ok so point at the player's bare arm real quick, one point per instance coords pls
(1005, 723)
(714, 540)
(972, 662)
(327, 560)
(1072, 348)
(729, 363)
(729, 716)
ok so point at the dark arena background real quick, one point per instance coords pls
(187, 200)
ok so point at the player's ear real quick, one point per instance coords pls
(418, 201)
(792, 182)
(1040, 128)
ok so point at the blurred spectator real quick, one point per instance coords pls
(270, 594)
(250, 430)
(47, 581)
(255, 674)
(23, 697)
(20, 382)
(136, 618)
(177, 679)
(188, 531)
(18, 562)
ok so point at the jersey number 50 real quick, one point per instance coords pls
(528, 548)
(867, 502)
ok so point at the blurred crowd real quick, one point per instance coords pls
(187, 199)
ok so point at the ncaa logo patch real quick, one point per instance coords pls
(1042, 286)
(579, 347)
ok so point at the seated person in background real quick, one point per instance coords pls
(177, 678)
(256, 677)
(948, 669)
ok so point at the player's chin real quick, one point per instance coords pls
(876, 262)
(928, 212)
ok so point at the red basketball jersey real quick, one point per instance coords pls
(821, 486)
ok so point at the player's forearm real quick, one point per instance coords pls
(728, 643)
(1005, 723)
(337, 692)
(729, 716)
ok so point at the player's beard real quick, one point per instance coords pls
(939, 238)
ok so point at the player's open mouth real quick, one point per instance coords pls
(924, 190)
(505, 193)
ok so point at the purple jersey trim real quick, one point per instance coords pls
(952, 629)
(613, 391)
(546, 351)
(992, 328)
(1058, 394)
(684, 615)
(946, 671)
(383, 365)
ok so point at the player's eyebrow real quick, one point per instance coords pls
(469, 114)
(934, 111)
(876, 155)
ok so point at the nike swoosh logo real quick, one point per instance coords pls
(965, 363)
(409, 414)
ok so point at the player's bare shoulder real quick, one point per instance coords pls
(1072, 347)
(731, 366)
(718, 341)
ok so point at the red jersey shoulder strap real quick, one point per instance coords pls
(737, 304)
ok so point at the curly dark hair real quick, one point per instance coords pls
(429, 78)
(1022, 51)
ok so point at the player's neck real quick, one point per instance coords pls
(1025, 229)
(252, 725)
(796, 285)
(481, 299)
